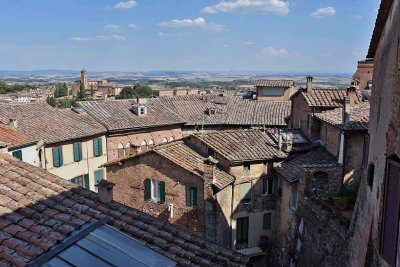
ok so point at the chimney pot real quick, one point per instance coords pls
(105, 189)
(14, 123)
(309, 83)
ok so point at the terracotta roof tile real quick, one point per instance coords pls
(40, 121)
(29, 231)
(290, 168)
(325, 97)
(274, 83)
(242, 145)
(13, 137)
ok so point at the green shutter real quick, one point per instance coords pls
(188, 196)
(294, 197)
(87, 183)
(57, 156)
(147, 189)
(97, 147)
(77, 151)
(73, 180)
(245, 191)
(162, 191)
(267, 222)
(194, 196)
(191, 196)
(17, 154)
(242, 230)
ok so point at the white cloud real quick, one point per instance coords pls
(274, 52)
(249, 43)
(324, 12)
(113, 37)
(276, 6)
(132, 26)
(199, 23)
(112, 28)
(125, 5)
(356, 16)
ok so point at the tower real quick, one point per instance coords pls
(84, 80)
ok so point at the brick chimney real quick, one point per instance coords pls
(309, 84)
(346, 110)
(352, 95)
(105, 191)
(209, 201)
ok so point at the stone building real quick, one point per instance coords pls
(175, 91)
(102, 87)
(46, 220)
(70, 145)
(134, 127)
(375, 225)
(275, 90)
(174, 183)
(362, 78)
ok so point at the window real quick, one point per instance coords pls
(267, 185)
(121, 150)
(165, 140)
(267, 221)
(391, 208)
(143, 145)
(128, 149)
(226, 234)
(98, 176)
(293, 198)
(246, 166)
(191, 196)
(57, 156)
(77, 151)
(97, 147)
(171, 139)
(210, 152)
(272, 91)
(245, 192)
(242, 232)
(17, 154)
(155, 190)
(82, 181)
(142, 110)
(151, 143)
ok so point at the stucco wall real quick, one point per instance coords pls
(29, 154)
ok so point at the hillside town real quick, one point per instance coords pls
(278, 175)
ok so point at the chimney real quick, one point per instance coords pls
(209, 201)
(346, 110)
(352, 95)
(209, 169)
(13, 123)
(105, 191)
(137, 99)
(309, 84)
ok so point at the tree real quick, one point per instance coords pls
(3, 87)
(140, 90)
(92, 91)
(51, 101)
(82, 92)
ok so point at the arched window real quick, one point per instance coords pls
(171, 139)
(128, 149)
(121, 150)
(143, 145)
(165, 140)
(151, 143)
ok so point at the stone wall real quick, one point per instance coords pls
(330, 137)
(353, 159)
(300, 111)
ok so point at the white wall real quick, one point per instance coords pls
(29, 154)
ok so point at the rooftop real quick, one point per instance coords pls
(117, 115)
(359, 117)
(290, 168)
(39, 211)
(12, 137)
(41, 121)
(242, 145)
(274, 83)
(325, 97)
(229, 110)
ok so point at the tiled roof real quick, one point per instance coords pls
(242, 145)
(325, 97)
(230, 110)
(41, 121)
(274, 83)
(290, 168)
(39, 211)
(12, 137)
(182, 155)
(117, 114)
(359, 117)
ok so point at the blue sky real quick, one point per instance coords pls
(207, 35)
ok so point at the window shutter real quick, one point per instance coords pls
(162, 191)
(77, 151)
(57, 157)
(17, 154)
(267, 222)
(98, 175)
(188, 202)
(194, 196)
(97, 147)
(87, 183)
(147, 189)
(73, 180)
(391, 214)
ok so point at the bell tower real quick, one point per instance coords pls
(84, 80)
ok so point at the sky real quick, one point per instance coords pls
(186, 35)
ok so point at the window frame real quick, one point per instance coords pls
(243, 199)
(191, 196)
(243, 242)
(270, 185)
(246, 167)
(17, 154)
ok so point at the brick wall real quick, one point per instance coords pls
(129, 190)
(330, 137)
(300, 111)
(136, 138)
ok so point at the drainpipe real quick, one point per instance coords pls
(231, 217)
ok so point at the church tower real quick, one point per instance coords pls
(84, 80)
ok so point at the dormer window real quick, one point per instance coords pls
(139, 110)
(211, 111)
(142, 110)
